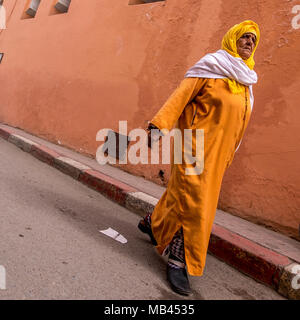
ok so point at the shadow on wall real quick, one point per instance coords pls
(142, 1)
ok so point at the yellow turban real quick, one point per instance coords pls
(229, 44)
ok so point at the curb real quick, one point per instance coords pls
(262, 264)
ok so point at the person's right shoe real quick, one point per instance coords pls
(145, 227)
(178, 280)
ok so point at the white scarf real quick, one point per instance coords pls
(220, 65)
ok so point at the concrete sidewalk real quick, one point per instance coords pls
(266, 256)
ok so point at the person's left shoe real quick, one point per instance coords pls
(178, 280)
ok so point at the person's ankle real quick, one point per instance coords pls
(175, 262)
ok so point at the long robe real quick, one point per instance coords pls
(190, 201)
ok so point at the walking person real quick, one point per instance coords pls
(216, 96)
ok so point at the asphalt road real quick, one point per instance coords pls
(51, 247)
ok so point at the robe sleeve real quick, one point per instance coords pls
(170, 112)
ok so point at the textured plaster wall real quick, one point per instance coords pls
(66, 76)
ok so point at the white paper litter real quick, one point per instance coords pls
(114, 234)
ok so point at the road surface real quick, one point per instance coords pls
(51, 247)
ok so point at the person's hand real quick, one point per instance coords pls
(150, 136)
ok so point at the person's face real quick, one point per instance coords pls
(245, 45)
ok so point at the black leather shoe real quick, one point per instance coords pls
(146, 228)
(179, 281)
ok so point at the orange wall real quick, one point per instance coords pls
(66, 76)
